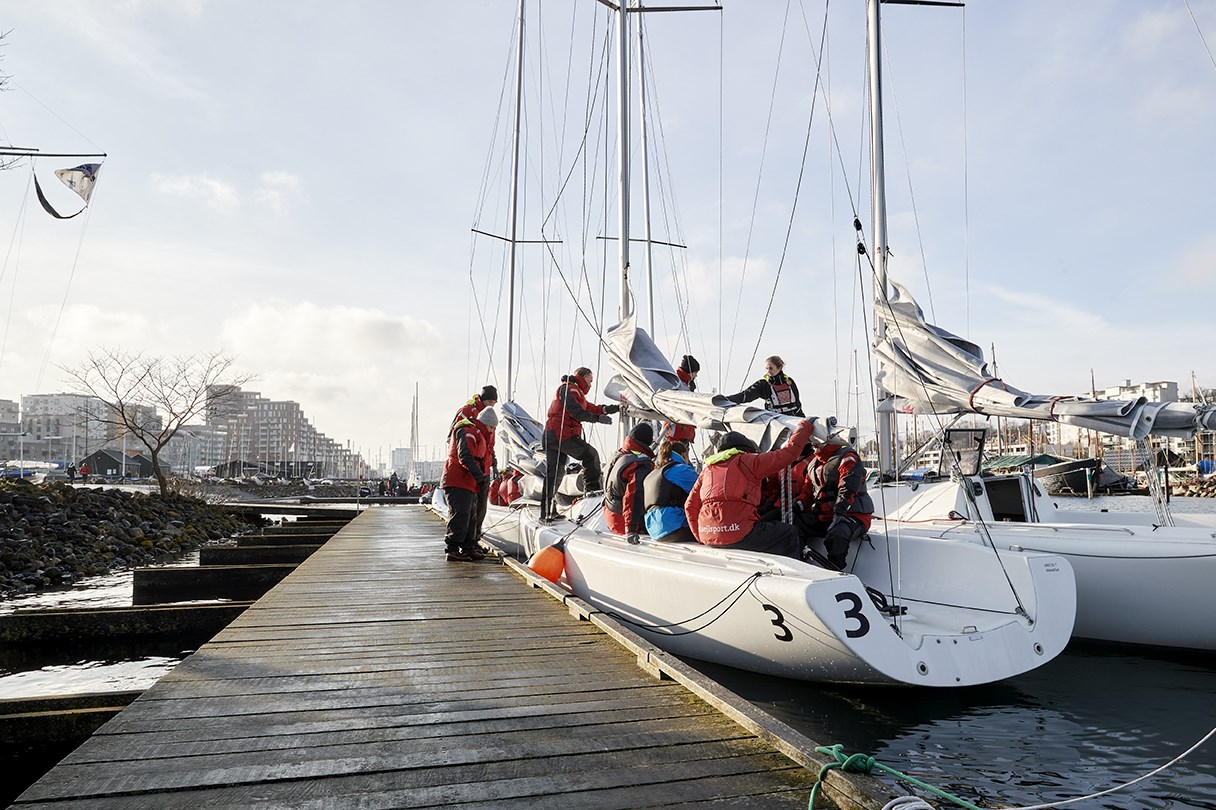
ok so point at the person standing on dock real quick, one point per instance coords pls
(721, 507)
(564, 436)
(466, 474)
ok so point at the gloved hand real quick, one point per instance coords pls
(605, 420)
(798, 507)
(612, 408)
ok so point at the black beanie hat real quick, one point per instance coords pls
(642, 433)
(733, 440)
(690, 364)
(489, 392)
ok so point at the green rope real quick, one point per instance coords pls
(864, 763)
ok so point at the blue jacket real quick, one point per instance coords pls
(663, 520)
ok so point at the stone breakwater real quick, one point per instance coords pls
(1203, 488)
(52, 534)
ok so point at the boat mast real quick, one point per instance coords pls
(514, 213)
(885, 416)
(645, 176)
(622, 111)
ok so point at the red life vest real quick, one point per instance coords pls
(624, 502)
(722, 506)
(510, 490)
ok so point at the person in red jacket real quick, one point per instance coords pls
(476, 404)
(771, 489)
(835, 503)
(465, 474)
(687, 372)
(510, 491)
(564, 436)
(624, 496)
(721, 507)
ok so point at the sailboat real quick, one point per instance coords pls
(916, 610)
(1141, 578)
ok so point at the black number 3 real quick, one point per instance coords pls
(785, 634)
(863, 624)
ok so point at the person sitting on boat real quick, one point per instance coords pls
(721, 507)
(835, 503)
(666, 491)
(776, 388)
(772, 498)
(465, 474)
(509, 490)
(624, 501)
(564, 436)
(687, 372)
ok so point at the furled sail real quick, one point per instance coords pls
(647, 384)
(929, 370)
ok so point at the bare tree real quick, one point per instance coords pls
(152, 398)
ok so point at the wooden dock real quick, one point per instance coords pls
(380, 675)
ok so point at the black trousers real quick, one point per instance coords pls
(483, 500)
(462, 519)
(771, 538)
(838, 535)
(555, 462)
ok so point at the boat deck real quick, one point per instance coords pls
(380, 675)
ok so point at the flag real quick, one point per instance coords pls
(80, 179)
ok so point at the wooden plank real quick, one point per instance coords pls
(379, 675)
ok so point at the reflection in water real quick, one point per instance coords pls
(1091, 719)
(108, 666)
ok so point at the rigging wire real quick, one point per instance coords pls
(797, 189)
(16, 240)
(751, 225)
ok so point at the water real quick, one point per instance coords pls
(1095, 717)
(1134, 503)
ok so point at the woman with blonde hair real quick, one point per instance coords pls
(776, 388)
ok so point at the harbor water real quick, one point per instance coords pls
(1095, 717)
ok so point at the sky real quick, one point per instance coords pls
(297, 184)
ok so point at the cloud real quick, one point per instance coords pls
(340, 361)
(119, 34)
(276, 188)
(217, 194)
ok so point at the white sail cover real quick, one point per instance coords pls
(647, 385)
(929, 370)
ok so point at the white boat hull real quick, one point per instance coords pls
(1137, 582)
(783, 617)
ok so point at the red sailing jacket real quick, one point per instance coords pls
(570, 408)
(836, 485)
(677, 432)
(624, 501)
(468, 461)
(469, 411)
(721, 509)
